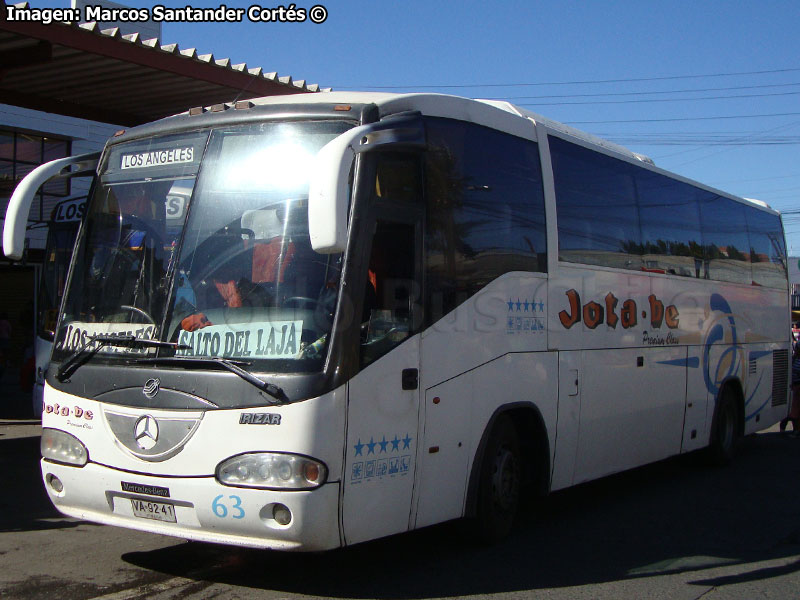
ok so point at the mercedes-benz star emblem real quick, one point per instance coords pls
(151, 387)
(145, 432)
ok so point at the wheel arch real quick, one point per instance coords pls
(534, 443)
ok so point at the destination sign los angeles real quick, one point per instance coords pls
(157, 158)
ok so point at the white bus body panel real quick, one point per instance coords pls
(466, 358)
(381, 447)
(647, 390)
(489, 352)
(569, 418)
(508, 315)
(93, 493)
(630, 415)
(314, 428)
(520, 377)
(445, 451)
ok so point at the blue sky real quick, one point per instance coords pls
(659, 77)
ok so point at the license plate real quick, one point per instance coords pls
(158, 511)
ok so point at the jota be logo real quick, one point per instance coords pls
(593, 314)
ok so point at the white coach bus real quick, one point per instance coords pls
(307, 322)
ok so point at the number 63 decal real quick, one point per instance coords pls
(221, 509)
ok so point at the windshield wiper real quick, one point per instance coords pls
(84, 352)
(234, 366)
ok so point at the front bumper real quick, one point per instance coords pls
(204, 510)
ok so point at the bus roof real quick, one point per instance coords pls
(451, 106)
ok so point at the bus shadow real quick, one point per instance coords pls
(24, 504)
(15, 402)
(672, 517)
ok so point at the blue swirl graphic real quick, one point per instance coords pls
(716, 334)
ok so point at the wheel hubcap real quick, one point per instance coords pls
(505, 480)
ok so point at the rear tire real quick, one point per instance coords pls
(500, 483)
(725, 430)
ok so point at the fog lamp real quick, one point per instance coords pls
(55, 483)
(281, 514)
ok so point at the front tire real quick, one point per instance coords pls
(500, 483)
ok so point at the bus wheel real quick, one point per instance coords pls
(500, 483)
(725, 430)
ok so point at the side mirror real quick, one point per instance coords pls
(20, 203)
(329, 189)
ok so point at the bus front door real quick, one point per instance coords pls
(383, 399)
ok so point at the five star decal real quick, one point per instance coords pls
(525, 305)
(381, 457)
(525, 315)
(381, 446)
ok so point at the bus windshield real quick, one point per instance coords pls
(201, 240)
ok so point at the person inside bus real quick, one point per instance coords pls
(252, 264)
(219, 288)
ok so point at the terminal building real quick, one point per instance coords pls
(65, 88)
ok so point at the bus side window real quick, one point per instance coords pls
(485, 211)
(391, 297)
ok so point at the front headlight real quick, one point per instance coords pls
(61, 447)
(271, 470)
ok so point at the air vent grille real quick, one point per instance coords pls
(780, 377)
